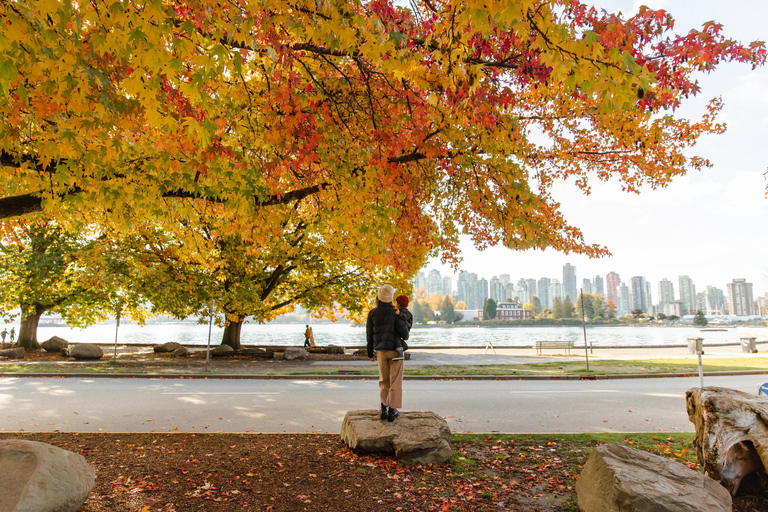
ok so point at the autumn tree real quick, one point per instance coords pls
(46, 268)
(557, 308)
(418, 313)
(585, 303)
(354, 110)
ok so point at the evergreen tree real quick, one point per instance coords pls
(418, 313)
(489, 309)
(588, 306)
(557, 308)
(567, 307)
(700, 319)
(536, 306)
(447, 313)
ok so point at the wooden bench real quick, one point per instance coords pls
(556, 345)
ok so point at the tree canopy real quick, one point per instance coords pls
(347, 111)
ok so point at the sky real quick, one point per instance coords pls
(710, 224)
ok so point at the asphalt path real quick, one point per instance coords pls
(218, 405)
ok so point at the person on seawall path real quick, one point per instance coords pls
(402, 310)
(13, 334)
(311, 337)
(307, 334)
(4, 334)
(382, 329)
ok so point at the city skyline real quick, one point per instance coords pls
(706, 224)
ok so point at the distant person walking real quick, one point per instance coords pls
(4, 334)
(382, 329)
(307, 334)
(311, 337)
(13, 334)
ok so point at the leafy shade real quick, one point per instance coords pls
(454, 119)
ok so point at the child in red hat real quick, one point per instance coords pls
(402, 310)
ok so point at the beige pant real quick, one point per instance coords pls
(390, 378)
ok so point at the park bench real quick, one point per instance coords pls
(556, 345)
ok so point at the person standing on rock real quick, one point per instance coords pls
(382, 329)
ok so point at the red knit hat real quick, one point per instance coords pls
(402, 300)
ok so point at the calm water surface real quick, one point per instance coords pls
(343, 334)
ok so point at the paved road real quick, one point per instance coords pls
(147, 405)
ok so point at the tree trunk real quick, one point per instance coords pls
(232, 333)
(30, 317)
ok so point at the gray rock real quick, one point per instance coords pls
(222, 351)
(54, 344)
(731, 433)
(333, 349)
(171, 346)
(619, 478)
(180, 352)
(12, 353)
(86, 351)
(292, 353)
(38, 477)
(360, 352)
(258, 353)
(420, 437)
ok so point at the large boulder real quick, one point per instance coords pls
(619, 478)
(86, 351)
(222, 351)
(420, 437)
(166, 348)
(292, 353)
(334, 349)
(258, 353)
(182, 351)
(54, 344)
(38, 477)
(731, 433)
(12, 353)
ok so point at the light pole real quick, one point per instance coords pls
(118, 310)
(208, 350)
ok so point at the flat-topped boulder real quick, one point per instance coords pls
(257, 352)
(619, 478)
(182, 351)
(222, 351)
(38, 477)
(420, 437)
(86, 351)
(731, 433)
(166, 348)
(12, 353)
(54, 344)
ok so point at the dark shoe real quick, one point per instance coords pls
(400, 355)
(383, 412)
(393, 414)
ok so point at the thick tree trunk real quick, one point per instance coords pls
(30, 317)
(232, 333)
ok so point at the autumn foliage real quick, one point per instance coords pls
(381, 131)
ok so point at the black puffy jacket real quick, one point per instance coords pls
(382, 328)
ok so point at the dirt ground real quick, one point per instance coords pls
(306, 472)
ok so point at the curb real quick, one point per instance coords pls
(198, 376)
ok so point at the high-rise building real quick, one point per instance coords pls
(509, 291)
(569, 281)
(648, 296)
(701, 302)
(639, 294)
(740, 301)
(498, 292)
(520, 294)
(612, 283)
(434, 282)
(505, 279)
(542, 289)
(586, 286)
(419, 282)
(687, 295)
(715, 301)
(482, 293)
(533, 289)
(598, 286)
(447, 286)
(624, 300)
(555, 290)
(666, 292)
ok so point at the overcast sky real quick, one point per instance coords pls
(710, 225)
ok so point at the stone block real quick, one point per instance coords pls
(619, 478)
(180, 352)
(222, 351)
(420, 437)
(12, 353)
(39, 477)
(293, 353)
(166, 348)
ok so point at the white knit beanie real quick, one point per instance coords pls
(386, 293)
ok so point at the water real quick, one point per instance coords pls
(343, 334)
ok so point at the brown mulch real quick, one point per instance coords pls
(313, 472)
